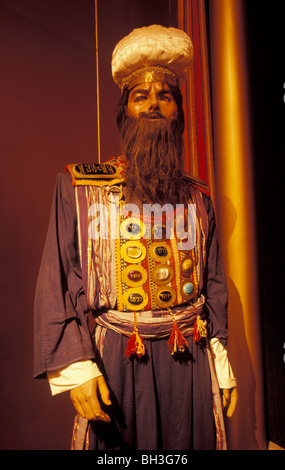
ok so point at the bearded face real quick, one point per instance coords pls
(153, 146)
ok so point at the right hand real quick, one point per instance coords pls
(85, 399)
(229, 398)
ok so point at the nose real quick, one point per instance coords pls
(153, 102)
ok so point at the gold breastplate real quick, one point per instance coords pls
(152, 272)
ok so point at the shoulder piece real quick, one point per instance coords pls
(96, 174)
(197, 183)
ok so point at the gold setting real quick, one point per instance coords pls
(135, 298)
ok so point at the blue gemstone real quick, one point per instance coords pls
(188, 288)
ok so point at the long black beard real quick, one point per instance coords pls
(154, 152)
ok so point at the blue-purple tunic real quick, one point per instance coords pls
(159, 401)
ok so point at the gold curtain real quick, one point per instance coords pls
(234, 195)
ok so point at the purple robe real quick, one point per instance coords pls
(161, 402)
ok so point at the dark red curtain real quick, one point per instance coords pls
(47, 120)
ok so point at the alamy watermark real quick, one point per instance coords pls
(154, 221)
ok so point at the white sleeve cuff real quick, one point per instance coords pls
(223, 368)
(72, 376)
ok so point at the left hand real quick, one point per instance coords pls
(85, 399)
(229, 399)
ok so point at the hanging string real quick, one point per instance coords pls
(97, 82)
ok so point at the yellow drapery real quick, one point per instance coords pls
(236, 216)
(234, 194)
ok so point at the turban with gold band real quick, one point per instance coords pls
(152, 54)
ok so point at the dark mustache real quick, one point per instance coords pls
(152, 115)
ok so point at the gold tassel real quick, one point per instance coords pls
(176, 341)
(199, 329)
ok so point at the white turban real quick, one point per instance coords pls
(152, 53)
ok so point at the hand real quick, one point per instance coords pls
(229, 397)
(85, 399)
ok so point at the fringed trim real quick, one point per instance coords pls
(199, 330)
(176, 341)
(135, 344)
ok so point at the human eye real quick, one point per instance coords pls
(165, 97)
(139, 97)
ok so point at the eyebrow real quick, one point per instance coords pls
(139, 90)
(146, 92)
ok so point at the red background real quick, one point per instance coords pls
(47, 120)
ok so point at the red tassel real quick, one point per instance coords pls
(176, 341)
(135, 344)
(199, 330)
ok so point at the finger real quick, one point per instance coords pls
(86, 402)
(104, 391)
(233, 403)
(97, 413)
(76, 404)
(226, 393)
(90, 408)
(93, 414)
(81, 404)
(100, 415)
(226, 396)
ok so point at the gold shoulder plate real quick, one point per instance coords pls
(97, 174)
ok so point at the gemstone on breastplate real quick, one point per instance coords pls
(134, 275)
(132, 228)
(133, 251)
(160, 251)
(165, 296)
(162, 274)
(135, 298)
(187, 266)
(187, 290)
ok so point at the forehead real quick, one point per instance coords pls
(151, 86)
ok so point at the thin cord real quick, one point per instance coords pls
(97, 79)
